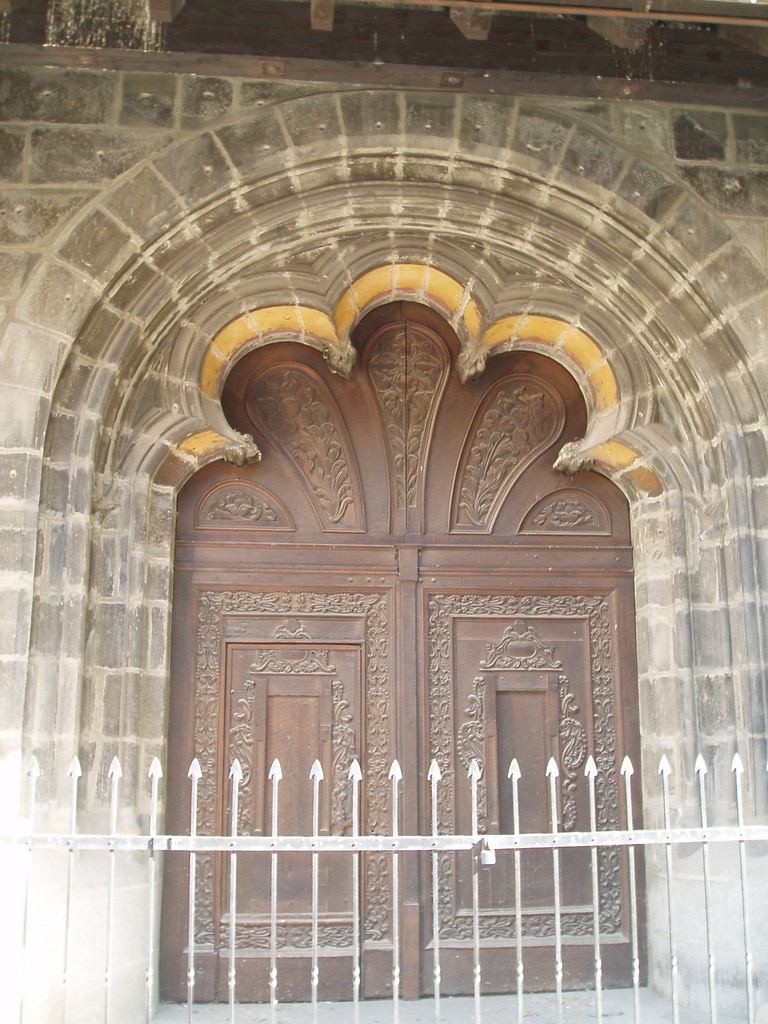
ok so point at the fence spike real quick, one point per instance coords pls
(395, 772)
(700, 767)
(553, 772)
(275, 771)
(514, 770)
(33, 771)
(316, 771)
(115, 771)
(75, 771)
(474, 772)
(434, 774)
(195, 772)
(627, 768)
(736, 764)
(355, 774)
(665, 768)
(590, 768)
(155, 769)
(236, 771)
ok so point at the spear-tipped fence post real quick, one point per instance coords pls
(627, 770)
(590, 771)
(316, 775)
(515, 775)
(33, 774)
(664, 771)
(434, 777)
(155, 774)
(474, 777)
(236, 774)
(553, 774)
(115, 774)
(194, 775)
(737, 768)
(355, 777)
(275, 775)
(75, 773)
(395, 777)
(701, 770)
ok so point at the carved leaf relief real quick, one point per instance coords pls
(520, 647)
(408, 369)
(295, 409)
(516, 422)
(241, 507)
(568, 511)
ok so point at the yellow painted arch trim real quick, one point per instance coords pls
(398, 280)
(574, 346)
(300, 322)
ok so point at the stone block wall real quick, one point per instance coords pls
(140, 212)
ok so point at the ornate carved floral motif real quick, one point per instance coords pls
(514, 424)
(567, 512)
(444, 609)
(408, 372)
(296, 410)
(520, 648)
(212, 608)
(243, 505)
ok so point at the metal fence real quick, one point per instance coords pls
(481, 848)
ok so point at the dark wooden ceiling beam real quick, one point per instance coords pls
(165, 10)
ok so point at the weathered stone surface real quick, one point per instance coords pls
(750, 134)
(648, 189)
(89, 154)
(646, 129)
(258, 94)
(541, 138)
(11, 154)
(14, 267)
(594, 159)
(66, 97)
(148, 99)
(696, 229)
(57, 299)
(96, 246)
(371, 114)
(30, 216)
(484, 122)
(31, 357)
(195, 169)
(739, 193)
(204, 100)
(250, 142)
(144, 204)
(735, 277)
(430, 115)
(700, 136)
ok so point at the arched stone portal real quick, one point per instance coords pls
(290, 207)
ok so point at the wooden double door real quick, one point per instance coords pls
(403, 575)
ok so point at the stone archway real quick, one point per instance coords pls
(609, 250)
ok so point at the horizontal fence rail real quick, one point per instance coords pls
(481, 847)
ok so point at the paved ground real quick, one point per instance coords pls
(578, 1008)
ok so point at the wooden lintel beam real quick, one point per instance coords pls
(6, 6)
(165, 10)
(321, 15)
(626, 33)
(753, 39)
(472, 24)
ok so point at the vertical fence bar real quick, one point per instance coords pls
(664, 772)
(236, 774)
(552, 775)
(395, 776)
(474, 775)
(33, 774)
(628, 771)
(514, 774)
(737, 768)
(355, 777)
(115, 774)
(316, 775)
(590, 770)
(701, 771)
(275, 775)
(75, 773)
(194, 774)
(155, 774)
(434, 777)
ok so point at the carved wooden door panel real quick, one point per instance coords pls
(402, 575)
